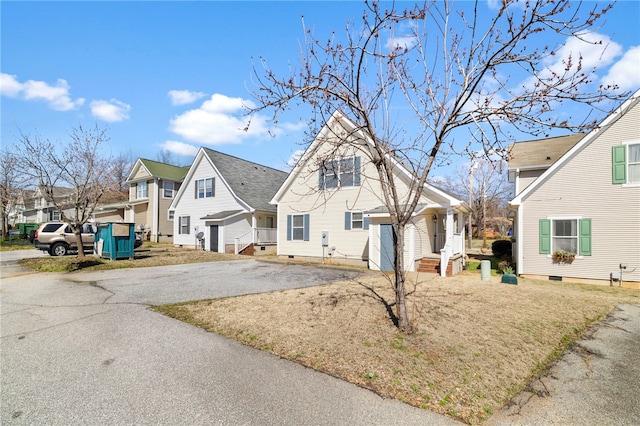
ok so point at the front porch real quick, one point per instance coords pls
(256, 238)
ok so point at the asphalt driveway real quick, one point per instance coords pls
(85, 348)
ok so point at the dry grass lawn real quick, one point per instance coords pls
(477, 342)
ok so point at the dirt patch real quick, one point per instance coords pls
(477, 342)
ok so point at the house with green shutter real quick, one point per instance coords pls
(577, 206)
(331, 209)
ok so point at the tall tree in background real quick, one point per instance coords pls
(413, 80)
(77, 164)
(484, 183)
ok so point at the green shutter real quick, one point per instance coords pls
(619, 163)
(545, 236)
(306, 227)
(288, 227)
(584, 229)
(347, 221)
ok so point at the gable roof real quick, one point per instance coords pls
(540, 153)
(159, 170)
(253, 183)
(583, 143)
(339, 117)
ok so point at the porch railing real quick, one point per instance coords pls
(266, 235)
(256, 236)
(449, 250)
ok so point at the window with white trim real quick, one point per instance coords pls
(170, 214)
(571, 235)
(355, 220)
(565, 235)
(339, 173)
(142, 190)
(168, 188)
(205, 188)
(298, 227)
(633, 164)
(184, 224)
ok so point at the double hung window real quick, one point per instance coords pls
(205, 188)
(142, 190)
(341, 173)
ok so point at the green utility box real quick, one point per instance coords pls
(115, 240)
(26, 228)
(509, 279)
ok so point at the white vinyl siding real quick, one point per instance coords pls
(185, 203)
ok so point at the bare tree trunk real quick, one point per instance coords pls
(79, 242)
(399, 274)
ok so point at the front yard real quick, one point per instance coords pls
(478, 342)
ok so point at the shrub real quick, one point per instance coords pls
(501, 248)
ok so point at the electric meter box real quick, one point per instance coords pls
(325, 238)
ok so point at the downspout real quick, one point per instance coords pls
(154, 218)
(519, 239)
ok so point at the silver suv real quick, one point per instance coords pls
(58, 239)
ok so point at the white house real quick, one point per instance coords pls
(223, 204)
(579, 219)
(331, 209)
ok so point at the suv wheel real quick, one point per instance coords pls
(58, 249)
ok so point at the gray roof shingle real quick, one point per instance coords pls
(254, 183)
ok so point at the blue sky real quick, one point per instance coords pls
(174, 75)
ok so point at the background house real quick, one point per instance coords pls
(152, 187)
(586, 203)
(35, 207)
(331, 209)
(223, 205)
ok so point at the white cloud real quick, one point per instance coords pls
(219, 120)
(179, 148)
(596, 52)
(57, 96)
(183, 97)
(295, 157)
(404, 42)
(9, 86)
(111, 111)
(626, 72)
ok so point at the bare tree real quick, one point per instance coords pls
(121, 165)
(12, 180)
(77, 165)
(484, 183)
(413, 80)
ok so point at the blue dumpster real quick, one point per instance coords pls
(115, 240)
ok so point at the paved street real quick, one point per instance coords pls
(85, 348)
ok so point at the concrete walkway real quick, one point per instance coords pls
(596, 383)
(85, 348)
